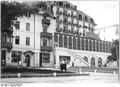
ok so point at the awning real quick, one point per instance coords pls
(31, 52)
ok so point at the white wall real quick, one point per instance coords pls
(82, 54)
(108, 33)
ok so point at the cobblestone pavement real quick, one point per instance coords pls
(92, 78)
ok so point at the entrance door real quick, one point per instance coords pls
(27, 60)
(40, 59)
(92, 62)
(3, 57)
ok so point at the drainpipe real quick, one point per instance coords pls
(0, 38)
(119, 60)
(34, 40)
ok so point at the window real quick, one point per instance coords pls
(100, 46)
(17, 40)
(27, 41)
(100, 62)
(70, 42)
(92, 61)
(17, 25)
(74, 43)
(86, 44)
(67, 5)
(93, 45)
(82, 43)
(85, 58)
(78, 43)
(90, 45)
(80, 17)
(97, 43)
(117, 31)
(65, 41)
(44, 42)
(60, 3)
(27, 26)
(103, 46)
(86, 19)
(60, 41)
(55, 37)
(16, 56)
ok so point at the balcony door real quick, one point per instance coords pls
(44, 43)
(27, 60)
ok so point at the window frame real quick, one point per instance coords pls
(17, 40)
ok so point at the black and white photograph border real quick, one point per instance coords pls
(61, 43)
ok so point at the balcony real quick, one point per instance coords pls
(6, 45)
(47, 48)
(9, 30)
(46, 34)
(92, 35)
(6, 41)
(58, 12)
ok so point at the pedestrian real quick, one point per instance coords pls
(61, 65)
(64, 65)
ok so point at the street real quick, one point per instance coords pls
(92, 78)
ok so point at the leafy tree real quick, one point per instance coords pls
(12, 10)
(114, 52)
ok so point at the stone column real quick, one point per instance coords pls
(95, 46)
(72, 43)
(105, 46)
(92, 44)
(80, 44)
(76, 43)
(88, 45)
(63, 40)
(58, 40)
(119, 60)
(84, 44)
(99, 45)
(67, 42)
(108, 47)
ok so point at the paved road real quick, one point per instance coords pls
(92, 78)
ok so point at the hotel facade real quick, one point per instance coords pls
(57, 32)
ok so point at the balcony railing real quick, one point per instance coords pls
(6, 41)
(58, 12)
(6, 45)
(46, 34)
(46, 48)
(92, 35)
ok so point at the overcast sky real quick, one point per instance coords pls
(104, 13)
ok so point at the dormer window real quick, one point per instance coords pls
(86, 19)
(91, 20)
(80, 17)
(65, 20)
(67, 5)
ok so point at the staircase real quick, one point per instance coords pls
(77, 57)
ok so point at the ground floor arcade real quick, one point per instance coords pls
(31, 58)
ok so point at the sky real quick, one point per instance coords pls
(104, 13)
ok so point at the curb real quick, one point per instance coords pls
(40, 75)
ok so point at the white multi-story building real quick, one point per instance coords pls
(109, 33)
(58, 31)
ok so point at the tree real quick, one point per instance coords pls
(11, 10)
(115, 50)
